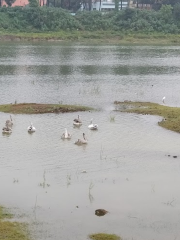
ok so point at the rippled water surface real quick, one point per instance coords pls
(128, 170)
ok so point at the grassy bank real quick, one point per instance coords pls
(33, 108)
(170, 115)
(10, 230)
(108, 37)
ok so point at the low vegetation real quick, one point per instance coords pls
(170, 115)
(34, 108)
(104, 236)
(94, 37)
(10, 230)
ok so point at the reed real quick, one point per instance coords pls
(91, 198)
(44, 184)
(112, 118)
(68, 180)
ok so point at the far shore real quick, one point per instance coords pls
(94, 37)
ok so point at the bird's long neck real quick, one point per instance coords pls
(66, 133)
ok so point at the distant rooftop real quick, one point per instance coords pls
(21, 3)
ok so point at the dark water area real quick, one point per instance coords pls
(55, 185)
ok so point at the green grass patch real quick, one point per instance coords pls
(170, 115)
(104, 236)
(35, 108)
(10, 230)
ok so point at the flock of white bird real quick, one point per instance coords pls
(9, 125)
(66, 135)
(77, 122)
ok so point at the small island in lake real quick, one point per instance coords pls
(170, 115)
(37, 108)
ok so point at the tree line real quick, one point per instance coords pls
(34, 18)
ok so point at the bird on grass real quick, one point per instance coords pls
(163, 99)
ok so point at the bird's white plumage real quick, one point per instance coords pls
(31, 128)
(93, 126)
(66, 134)
(163, 99)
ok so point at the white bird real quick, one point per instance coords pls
(6, 130)
(77, 121)
(66, 135)
(9, 123)
(81, 141)
(163, 99)
(31, 128)
(93, 126)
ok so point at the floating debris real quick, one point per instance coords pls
(174, 156)
(100, 212)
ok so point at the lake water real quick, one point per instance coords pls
(128, 170)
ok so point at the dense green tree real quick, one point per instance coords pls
(10, 2)
(129, 13)
(72, 5)
(33, 3)
(121, 4)
(166, 13)
(157, 4)
(116, 5)
(31, 19)
(176, 12)
(170, 2)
